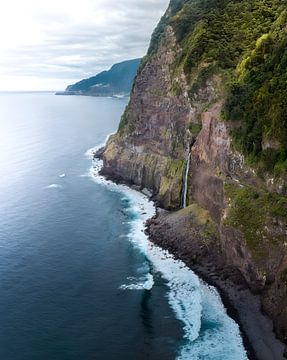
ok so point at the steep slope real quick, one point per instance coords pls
(214, 83)
(146, 150)
(116, 81)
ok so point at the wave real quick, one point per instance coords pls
(219, 337)
(145, 283)
(53, 186)
(91, 152)
(209, 333)
(62, 175)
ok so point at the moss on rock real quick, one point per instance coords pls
(256, 213)
(171, 183)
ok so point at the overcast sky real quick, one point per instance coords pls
(49, 44)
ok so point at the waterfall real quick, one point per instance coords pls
(185, 182)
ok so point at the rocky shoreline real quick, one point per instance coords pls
(183, 236)
(188, 130)
(172, 232)
(191, 238)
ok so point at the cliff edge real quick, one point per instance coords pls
(206, 127)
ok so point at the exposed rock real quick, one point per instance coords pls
(245, 237)
(191, 235)
(153, 142)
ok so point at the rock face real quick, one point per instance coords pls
(167, 117)
(153, 140)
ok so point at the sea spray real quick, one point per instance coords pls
(92, 152)
(209, 332)
(144, 283)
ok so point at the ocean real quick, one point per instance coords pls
(79, 279)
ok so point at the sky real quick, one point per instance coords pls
(49, 44)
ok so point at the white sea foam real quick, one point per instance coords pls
(209, 332)
(219, 336)
(144, 283)
(53, 186)
(91, 152)
(62, 175)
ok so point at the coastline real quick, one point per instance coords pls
(240, 303)
(188, 293)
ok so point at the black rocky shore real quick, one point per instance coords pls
(183, 236)
(174, 232)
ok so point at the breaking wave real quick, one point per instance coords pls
(144, 283)
(53, 186)
(209, 333)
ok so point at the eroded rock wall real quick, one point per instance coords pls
(150, 149)
(152, 143)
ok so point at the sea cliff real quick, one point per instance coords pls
(211, 88)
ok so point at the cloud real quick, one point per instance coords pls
(71, 39)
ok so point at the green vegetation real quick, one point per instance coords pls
(215, 34)
(124, 121)
(200, 217)
(158, 33)
(258, 98)
(118, 80)
(245, 42)
(195, 128)
(173, 177)
(222, 30)
(251, 211)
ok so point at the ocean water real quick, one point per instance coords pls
(79, 279)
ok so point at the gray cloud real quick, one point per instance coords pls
(73, 48)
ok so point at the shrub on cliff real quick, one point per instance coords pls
(245, 41)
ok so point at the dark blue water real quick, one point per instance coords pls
(78, 278)
(63, 251)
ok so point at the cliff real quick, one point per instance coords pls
(116, 81)
(213, 85)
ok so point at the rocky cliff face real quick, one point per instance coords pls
(152, 143)
(176, 108)
(252, 236)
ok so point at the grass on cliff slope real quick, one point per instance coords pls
(246, 42)
(222, 30)
(201, 218)
(252, 211)
(258, 98)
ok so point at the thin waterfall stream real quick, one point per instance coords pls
(185, 182)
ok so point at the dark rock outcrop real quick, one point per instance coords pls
(152, 143)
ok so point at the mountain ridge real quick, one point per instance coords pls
(117, 81)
